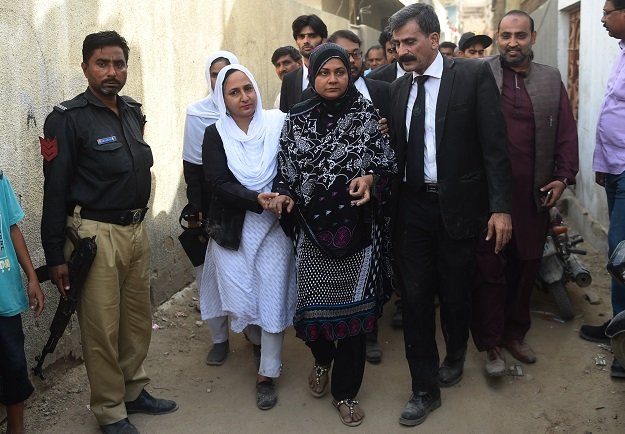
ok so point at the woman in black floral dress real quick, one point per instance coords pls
(333, 169)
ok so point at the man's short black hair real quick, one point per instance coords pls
(448, 44)
(108, 38)
(618, 4)
(374, 47)
(309, 20)
(286, 51)
(423, 14)
(345, 34)
(519, 13)
(385, 36)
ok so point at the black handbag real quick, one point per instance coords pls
(194, 241)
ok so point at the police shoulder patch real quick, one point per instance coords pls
(77, 102)
(49, 148)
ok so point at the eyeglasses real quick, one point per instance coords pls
(606, 13)
(356, 54)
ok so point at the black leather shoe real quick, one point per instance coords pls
(147, 404)
(120, 427)
(418, 407)
(595, 333)
(450, 373)
(266, 395)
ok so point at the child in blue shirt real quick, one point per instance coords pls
(15, 387)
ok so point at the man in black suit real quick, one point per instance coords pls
(309, 31)
(393, 70)
(453, 186)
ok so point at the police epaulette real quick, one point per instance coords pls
(71, 104)
(131, 101)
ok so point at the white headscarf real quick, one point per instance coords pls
(201, 114)
(252, 157)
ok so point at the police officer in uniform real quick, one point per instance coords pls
(97, 179)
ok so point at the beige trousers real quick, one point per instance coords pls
(115, 315)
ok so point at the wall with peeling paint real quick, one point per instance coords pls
(40, 59)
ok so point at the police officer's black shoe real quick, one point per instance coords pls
(120, 427)
(147, 404)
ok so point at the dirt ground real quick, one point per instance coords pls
(564, 392)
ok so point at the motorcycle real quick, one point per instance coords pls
(560, 265)
(616, 329)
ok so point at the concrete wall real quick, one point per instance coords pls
(598, 52)
(169, 40)
(545, 21)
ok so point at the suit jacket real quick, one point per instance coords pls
(386, 73)
(291, 90)
(473, 164)
(379, 91)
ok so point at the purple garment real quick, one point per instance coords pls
(529, 227)
(609, 156)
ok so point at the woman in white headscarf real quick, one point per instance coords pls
(249, 270)
(200, 115)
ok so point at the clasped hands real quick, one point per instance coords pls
(359, 189)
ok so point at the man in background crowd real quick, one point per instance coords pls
(285, 60)
(473, 46)
(393, 70)
(309, 31)
(375, 57)
(448, 49)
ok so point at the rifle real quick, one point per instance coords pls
(79, 264)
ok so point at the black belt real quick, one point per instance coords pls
(430, 188)
(116, 217)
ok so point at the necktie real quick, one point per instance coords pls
(416, 138)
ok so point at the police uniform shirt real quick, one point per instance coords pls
(102, 164)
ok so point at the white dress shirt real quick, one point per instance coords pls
(400, 72)
(362, 88)
(432, 85)
(304, 77)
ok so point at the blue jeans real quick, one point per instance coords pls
(615, 192)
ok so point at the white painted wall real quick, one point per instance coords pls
(598, 52)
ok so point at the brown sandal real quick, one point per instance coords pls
(349, 403)
(315, 378)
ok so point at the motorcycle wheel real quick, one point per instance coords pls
(618, 348)
(561, 296)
